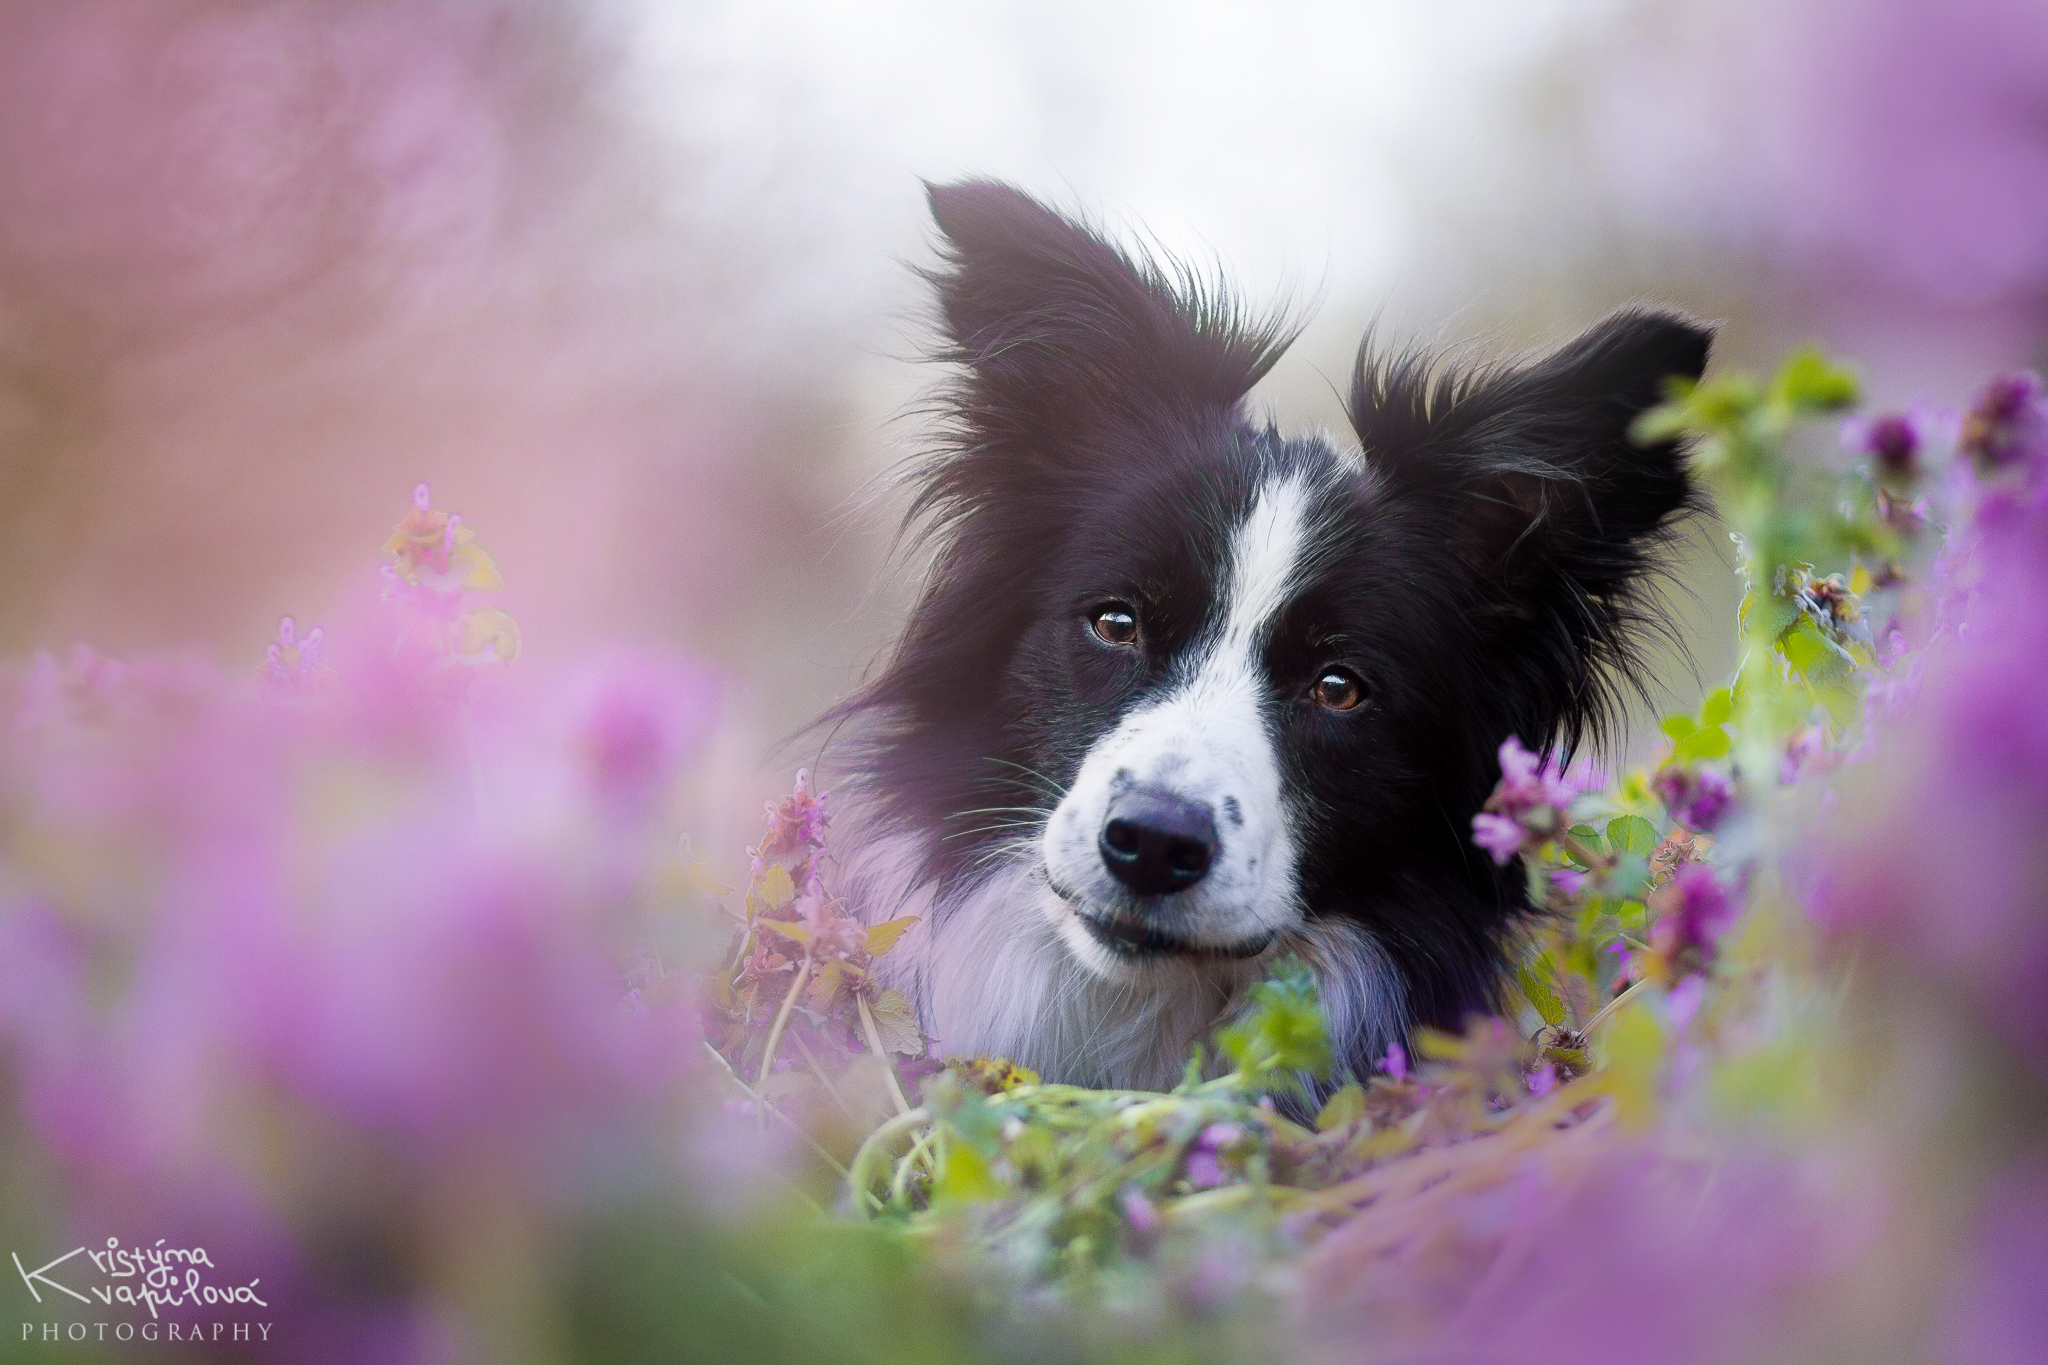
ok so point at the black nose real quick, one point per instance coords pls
(1156, 843)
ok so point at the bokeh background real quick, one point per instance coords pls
(631, 283)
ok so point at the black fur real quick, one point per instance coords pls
(1485, 581)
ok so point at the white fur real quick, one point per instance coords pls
(992, 976)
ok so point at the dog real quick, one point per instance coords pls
(1183, 694)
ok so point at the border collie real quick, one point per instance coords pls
(1183, 693)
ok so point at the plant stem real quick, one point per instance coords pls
(818, 1070)
(1599, 861)
(754, 1097)
(922, 1147)
(877, 1142)
(803, 974)
(867, 1023)
(1611, 1006)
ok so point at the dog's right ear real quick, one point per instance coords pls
(1058, 328)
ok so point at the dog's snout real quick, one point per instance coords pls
(1157, 843)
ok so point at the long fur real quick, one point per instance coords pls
(1480, 570)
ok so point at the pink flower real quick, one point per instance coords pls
(1699, 799)
(1498, 835)
(1530, 800)
(834, 933)
(1528, 781)
(796, 824)
(1684, 1001)
(1695, 911)
(2007, 424)
(1205, 1167)
(1898, 443)
(1138, 1211)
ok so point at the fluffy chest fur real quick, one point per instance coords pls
(992, 972)
(1183, 694)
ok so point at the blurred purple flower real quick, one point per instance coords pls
(1959, 743)
(1530, 800)
(1204, 1164)
(635, 722)
(1698, 798)
(1899, 443)
(327, 946)
(2007, 424)
(1694, 910)
(1684, 1000)
(1498, 835)
(1670, 1260)
(1996, 1312)
(796, 824)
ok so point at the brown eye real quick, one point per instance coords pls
(1114, 623)
(1337, 690)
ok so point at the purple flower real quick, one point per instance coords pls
(1529, 781)
(1395, 1063)
(796, 824)
(1498, 835)
(1205, 1167)
(1699, 799)
(1695, 911)
(1138, 1211)
(1530, 800)
(2007, 424)
(1683, 1001)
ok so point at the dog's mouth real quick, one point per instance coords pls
(1137, 942)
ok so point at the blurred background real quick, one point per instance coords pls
(631, 283)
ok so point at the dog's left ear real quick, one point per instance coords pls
(1057, 327)
(1531, 468)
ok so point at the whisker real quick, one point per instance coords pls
(1057, 790)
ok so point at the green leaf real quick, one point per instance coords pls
(1678, 725)
(774, 890)
(1635, 1059)
(1809, 382)
(1717, 708)
(896, 1022)
(880, 938)
(966, 1176)
(791, 931)
(1282, 1033)
(1666, 422)
(1630, 877)
(1543, 997)
(1709, 742)
(1346, 1106)
(824, 991)
(1632, 834)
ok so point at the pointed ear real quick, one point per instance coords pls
(1055, 324)
(1545, 494)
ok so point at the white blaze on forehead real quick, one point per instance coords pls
(1265, 561)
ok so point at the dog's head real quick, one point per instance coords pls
(1211, 680)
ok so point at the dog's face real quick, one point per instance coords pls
(1207, 684)
(1215, 684)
